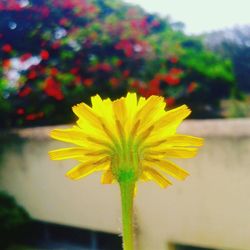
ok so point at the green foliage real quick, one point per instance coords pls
(234, 44)
(13, 218)
(80, 48)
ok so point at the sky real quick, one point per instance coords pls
(201, 15)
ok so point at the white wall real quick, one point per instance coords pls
(211, 208)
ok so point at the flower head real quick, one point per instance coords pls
(130, 139)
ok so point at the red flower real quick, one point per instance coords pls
(6, 63)
(174, 59)
(64, 21)
(126, 73)
(105, 67)
(53, 71)
(74, 71)
(78, 80)
(171, 80)
(176, 71)
(26, 91)
(88, 82)
(7, 48)
(135, 84)
(192, 86)
(25, 57)
(34, 116)
(10, 5)
(170, 101)
(155, 83)
(148, 91)
(143, 91)
(159, 77)
(20, 111)
(67, 4)
(44, 11)
(53, 89)
(126, 46)
(114, 82)
(154, 91)
(93, 68)
(44, 55)
(32, 74)
(139, 24)
(56, 45)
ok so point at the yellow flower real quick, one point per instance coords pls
(130, 139)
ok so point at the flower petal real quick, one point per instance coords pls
(151, 110)
(176, 141)
(84, 169)
(120, 110)
(107, 177)
(173, 117)
(152, 174)
(131, 108)
(71, 135)
(170, 168)
(174, 152)
(78, 153)
(67, 153)
(104, 111)
(167, 124)
(83, 111)
(184, 140)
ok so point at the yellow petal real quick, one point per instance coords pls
(78, 137)
(97, 103)
(71, 135)
(176, 115)
(151, 110)
(78, 153)
(120, 110)
(184, 140)
(89, 120)
(167, 124)
(120, 113)
(171, 169)
(141, 102)
(89, 129)
(175, 140)
(131, 102)
(174, 152)
(131, 109)
(67, 153)
(152, 174)
(102, 107)
(107, 177)
(104, 110)
(87, 114)
(84, 169)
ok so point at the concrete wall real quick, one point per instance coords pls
(211, 208)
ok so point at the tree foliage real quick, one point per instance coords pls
(55, 54)
(234, 44)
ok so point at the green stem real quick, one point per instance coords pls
(127, 197)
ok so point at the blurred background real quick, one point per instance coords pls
(54, 54)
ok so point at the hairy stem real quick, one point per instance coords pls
(127, 197)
